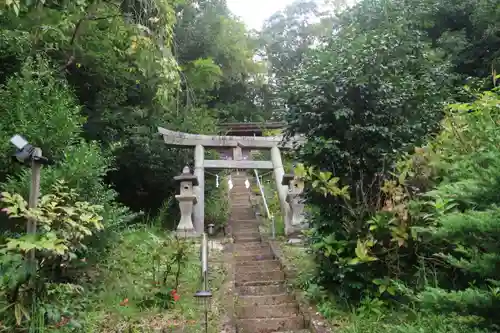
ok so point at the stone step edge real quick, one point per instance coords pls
(314, 321)
(267, 271)
(291, 302)
(289, 310)
(239, 321)
(261, 283)
(264, 239)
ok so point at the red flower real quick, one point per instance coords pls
(175, 295)
(62, 322)
(124, 302)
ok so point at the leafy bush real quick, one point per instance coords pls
(468, 145)
(62, 223)
(84, 167)
(39, 106)
(168, 260)
(434, 243)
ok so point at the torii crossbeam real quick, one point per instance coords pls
(238, 144)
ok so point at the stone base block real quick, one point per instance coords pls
(186, 233)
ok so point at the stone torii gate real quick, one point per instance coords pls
(239, 146)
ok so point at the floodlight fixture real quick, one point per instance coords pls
(19, 141)
(25, 153)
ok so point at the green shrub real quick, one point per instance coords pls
(39, 106)
(434, 243)
(62, 224)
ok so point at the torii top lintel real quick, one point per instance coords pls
(173, 138)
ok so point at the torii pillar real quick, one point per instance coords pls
(279, 172)
(199, 171)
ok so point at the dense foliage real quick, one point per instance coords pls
(397, 100)
(90, 82)
(418, 224)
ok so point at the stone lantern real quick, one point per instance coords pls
(187, 199)
(294, 218)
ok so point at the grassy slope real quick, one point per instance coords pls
(126, 273)
(370, 317)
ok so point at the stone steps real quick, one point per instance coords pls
(262, 290)
(251, 269)
(251, 234)
(259, 300)
(283, 310)
(263, 304)
(259, 265)
(255, 258)
(243, 230)
(260, 276)
(245, 252)
(251, 249)
(247, 239)
(270, 325)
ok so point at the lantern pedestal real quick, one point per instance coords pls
(294, 219)
(187, 199)
(186, 204)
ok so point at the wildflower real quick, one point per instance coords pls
(175, 295)
(62, 322)
(124, 302)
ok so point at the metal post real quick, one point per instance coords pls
(205, 294)
(273, 227)
(204, 261)
(262, 193)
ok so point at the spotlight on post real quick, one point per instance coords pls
(26, 153)
(32, 157)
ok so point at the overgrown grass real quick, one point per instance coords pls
(126, 273)
(371, 316)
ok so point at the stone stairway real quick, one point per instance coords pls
(262, 303)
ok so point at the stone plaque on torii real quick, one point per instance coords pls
(240, 147)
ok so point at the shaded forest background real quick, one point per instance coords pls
(397, 98)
